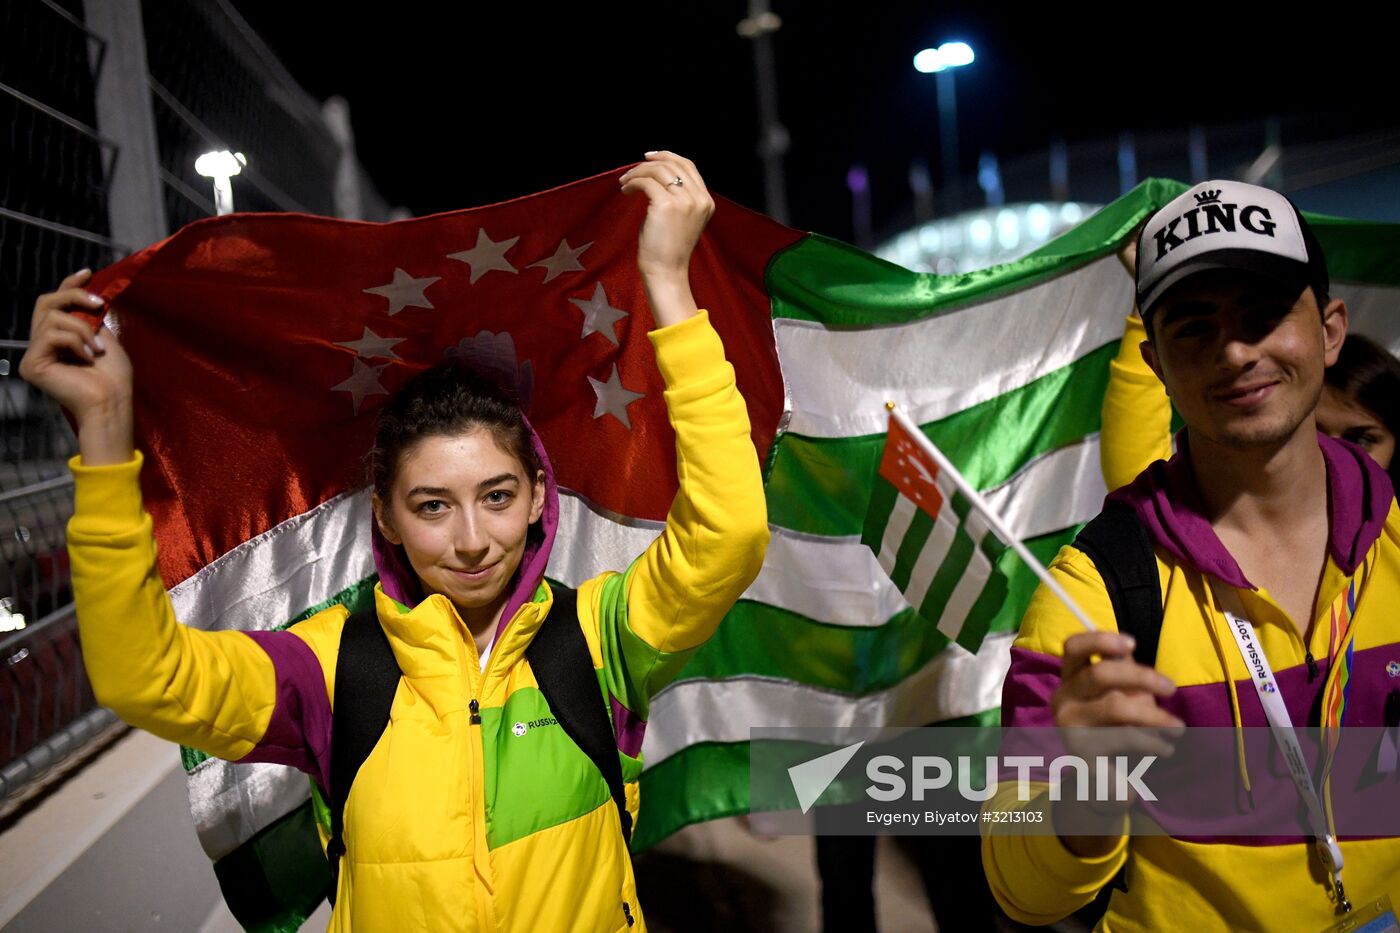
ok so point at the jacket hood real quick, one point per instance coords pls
(400, 583)
(1168, 502)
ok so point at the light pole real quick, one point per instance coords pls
(221, 166)
(941, 62)
(759, 26)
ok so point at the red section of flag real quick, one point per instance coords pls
(264, 344)
(910, 470)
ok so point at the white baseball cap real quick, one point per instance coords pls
(1227, 225)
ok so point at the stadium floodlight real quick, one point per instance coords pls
(946, 56)
(221, 166)
(10, 621)
(941, 62)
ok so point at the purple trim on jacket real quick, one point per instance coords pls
(1034, 675)
(629, 729)
(299, 733)
(536, 557)
(1168, 501)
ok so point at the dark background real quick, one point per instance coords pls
(459, 104)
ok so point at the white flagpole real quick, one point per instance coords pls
(998, 526)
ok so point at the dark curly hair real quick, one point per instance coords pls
(449, 398)
(1368, 374)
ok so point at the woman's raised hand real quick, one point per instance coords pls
(678, 207)
(87, 373)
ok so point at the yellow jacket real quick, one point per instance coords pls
(451, 824)
(1220, 883)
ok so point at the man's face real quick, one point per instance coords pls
(1242, 358)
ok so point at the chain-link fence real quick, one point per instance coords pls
(53, 219)
(216, 86)
(211, 84)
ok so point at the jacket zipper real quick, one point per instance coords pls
(475, 709)
(627, 912)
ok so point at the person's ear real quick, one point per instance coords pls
(537, 491)
(386, 528)
(1149, 356)
(1334, 329)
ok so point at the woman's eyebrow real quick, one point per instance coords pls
(497, 480)
(428, 491)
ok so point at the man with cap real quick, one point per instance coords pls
(1257, 523)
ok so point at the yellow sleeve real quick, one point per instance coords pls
(717, 529)
(214, 691)
(1034, 878)
(1137, 416)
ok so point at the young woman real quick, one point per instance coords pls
(1361, 400)
(474, 811)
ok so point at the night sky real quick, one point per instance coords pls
(461, 104)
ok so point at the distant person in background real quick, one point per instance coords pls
(1361, 400)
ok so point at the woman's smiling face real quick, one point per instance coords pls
(461, 505)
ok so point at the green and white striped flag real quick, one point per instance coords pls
(1003, 368)
(932, 540)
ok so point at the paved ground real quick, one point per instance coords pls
(718, 876)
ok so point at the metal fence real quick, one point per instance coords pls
(206, 82)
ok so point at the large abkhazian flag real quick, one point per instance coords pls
(263, 345)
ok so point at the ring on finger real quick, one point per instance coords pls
(676, 183)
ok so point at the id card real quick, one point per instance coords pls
(1378, 916)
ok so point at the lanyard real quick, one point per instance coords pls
(1281, 727)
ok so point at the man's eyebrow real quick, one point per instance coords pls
(1266, 295)
(1187, 309)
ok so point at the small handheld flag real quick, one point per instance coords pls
(938, 539)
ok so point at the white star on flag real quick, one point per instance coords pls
(371, 344)
(918, 465)
(363, 381)
(613, 399)
(598, 315)
(565, 259)
(404, 291)
(487, 255)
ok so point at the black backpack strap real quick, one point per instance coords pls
(1121, 549)
(366, 678)
(558, 654)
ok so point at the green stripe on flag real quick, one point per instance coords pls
(910, 548)
(832, 283)
(764, 640)
(822, 485)
(1359, 251)
(711, 780)
(961, 506)
(992, 547)
(979, 618)
(275, 880)
(947, 577)
(882, 499)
